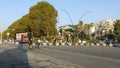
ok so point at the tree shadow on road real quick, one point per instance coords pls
(14, 56)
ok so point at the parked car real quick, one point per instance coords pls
(109, 41)
(116, 44)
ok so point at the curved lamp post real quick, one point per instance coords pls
(83, 14)
(70, 19)
(68, 15)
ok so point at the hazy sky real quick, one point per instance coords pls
(11, 10)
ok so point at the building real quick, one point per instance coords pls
(65, 27)
(105, 26)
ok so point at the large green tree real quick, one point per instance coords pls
(40, 21)
(43, 16)
(19, 26)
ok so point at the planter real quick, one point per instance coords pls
(88, 44)
(44, 44)
(62, 43)
(110, 45)
(104, 44)
(50, 43)
(57, 44)
(76, 44)
(81, 44)
(97, 44)
(70, 44)
(92, 44)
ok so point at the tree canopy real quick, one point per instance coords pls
(40, 21)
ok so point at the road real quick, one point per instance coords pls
(18, 56)
(85, 56)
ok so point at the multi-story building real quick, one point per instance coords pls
(105, 26)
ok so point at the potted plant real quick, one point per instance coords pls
(44, 42)
(111, 45)
(92, 42)
(88, 42)
(56, 42)
(97, 43)
(69, 41)
(76, 42)
(63, 40)
(50, 41)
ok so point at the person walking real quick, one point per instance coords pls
(30, 43)
(38, 43)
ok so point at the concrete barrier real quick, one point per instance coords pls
(104, 44)
(110, 45)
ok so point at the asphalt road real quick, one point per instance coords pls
(88, 57)
(18, 56)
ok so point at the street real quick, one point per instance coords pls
(18, 56)
(85, 56)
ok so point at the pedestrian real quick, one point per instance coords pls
(30, 43)
(38, 43)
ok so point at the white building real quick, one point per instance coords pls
(105, 26)
(65, 27)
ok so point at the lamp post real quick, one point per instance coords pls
(68, 15)
(70, 20)
(8, 34)
(83, 14)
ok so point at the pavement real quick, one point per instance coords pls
(18, 56)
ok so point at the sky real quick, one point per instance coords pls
(88, 11)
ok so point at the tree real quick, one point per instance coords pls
(40, 21)
(85, 30)
(19, 26)
(79, 27)
(43, 15)
(117, 29)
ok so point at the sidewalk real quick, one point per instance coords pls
(16, 56)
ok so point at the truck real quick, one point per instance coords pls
(22, 37)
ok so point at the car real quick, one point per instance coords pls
(109, 41)
(116, 44)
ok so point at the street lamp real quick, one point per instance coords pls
(83, 14)
(68, 15)
(86, 12)
(8, 34)
(70, 19)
